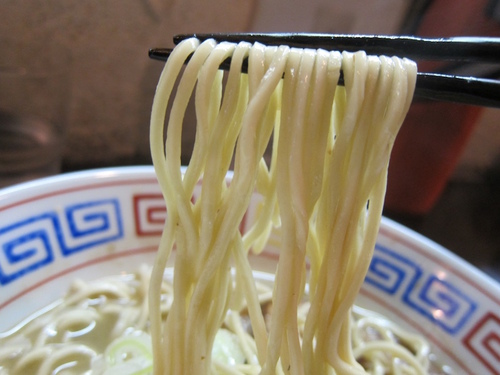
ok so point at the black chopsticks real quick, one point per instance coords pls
(458, 48)
(432, 86)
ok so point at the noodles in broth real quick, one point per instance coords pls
(321, 190)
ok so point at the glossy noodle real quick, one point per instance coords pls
(324, 187)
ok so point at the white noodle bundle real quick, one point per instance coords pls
(324, 186)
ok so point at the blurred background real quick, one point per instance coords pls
(76, 88)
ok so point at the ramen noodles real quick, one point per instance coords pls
(323, 187)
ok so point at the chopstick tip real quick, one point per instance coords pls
(161, 54)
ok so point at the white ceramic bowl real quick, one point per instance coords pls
(102, 222)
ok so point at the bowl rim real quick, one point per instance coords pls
(40, 187)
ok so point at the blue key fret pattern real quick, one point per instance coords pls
(441, 303)
(436, 299)
(34, 242)
(392, 272)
